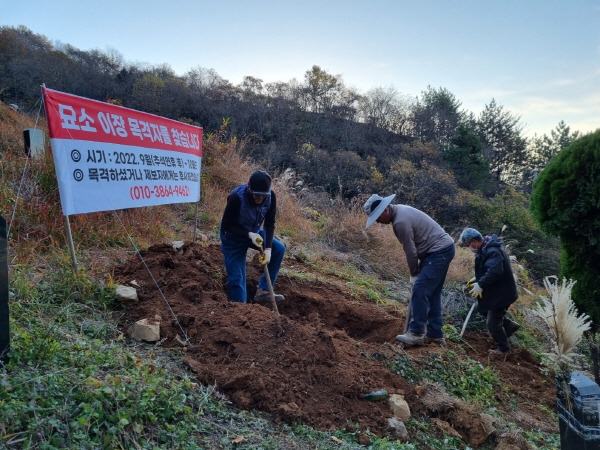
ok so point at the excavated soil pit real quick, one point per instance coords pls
(313, 362)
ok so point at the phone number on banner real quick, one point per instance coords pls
(144, 192)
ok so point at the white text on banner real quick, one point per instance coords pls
(109, 157)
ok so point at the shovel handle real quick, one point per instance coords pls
(408, 316)
(269, 284)
(467, 319)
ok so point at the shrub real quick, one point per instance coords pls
(566, 203)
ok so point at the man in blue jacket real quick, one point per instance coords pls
(249, 222)
(494, 285)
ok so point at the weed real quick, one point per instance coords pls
(420, 427)
(403, 366)
(467, 380)
(451, 333)
(542, 440)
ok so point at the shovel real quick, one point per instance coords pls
(467, 319)
(408, 317)
(270, 285)
(469, 285)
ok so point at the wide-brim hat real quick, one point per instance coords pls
(375, 206)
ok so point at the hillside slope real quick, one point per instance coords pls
(74, 381)
(312, 363)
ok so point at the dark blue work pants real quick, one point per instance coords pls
(426, 301)
(235, 263)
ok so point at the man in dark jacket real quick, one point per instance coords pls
(494, 285)
(248, 207)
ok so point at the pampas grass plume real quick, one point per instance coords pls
(561, 316)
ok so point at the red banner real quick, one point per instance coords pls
(110, 157)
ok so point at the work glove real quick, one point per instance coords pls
(476, 291)
(256, 239)
(265, 257)
(471, 282)
(413, 279)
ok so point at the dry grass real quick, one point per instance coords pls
(377, 247)
(462, 268)
(225, 168)
(305, 220)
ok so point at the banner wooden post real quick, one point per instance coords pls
(4, 310)
(196, 222)
(70, 240)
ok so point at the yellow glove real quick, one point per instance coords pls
(256, 239)
(476, 291)
(265, 257)
(471, 282)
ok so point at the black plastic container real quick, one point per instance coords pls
(580, 424)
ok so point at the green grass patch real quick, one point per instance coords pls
(350, 278)
(467, 380)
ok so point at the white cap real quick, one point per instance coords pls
(375, 206)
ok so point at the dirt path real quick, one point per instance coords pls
(313, 362)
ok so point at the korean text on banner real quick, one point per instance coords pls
(109, 157)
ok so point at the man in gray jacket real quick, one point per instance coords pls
(429, 251)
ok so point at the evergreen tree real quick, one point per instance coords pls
(465, 156)
(503, 144)
(436, 116)
(566, 203)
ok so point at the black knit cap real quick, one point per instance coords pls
(260, 183)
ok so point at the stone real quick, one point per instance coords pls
(126, 295)
(399, 407)
(145, 330)
(397, 429)
(178, 340)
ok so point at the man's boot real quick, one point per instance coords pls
(511, 328)
(410, 338)
(262, 296)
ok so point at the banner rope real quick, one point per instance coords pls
(12, 217)
(137, 251)
(153, 279)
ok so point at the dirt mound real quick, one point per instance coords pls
(314, 361)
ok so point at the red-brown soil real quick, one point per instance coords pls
(314, 361)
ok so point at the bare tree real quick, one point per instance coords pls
(386, 108)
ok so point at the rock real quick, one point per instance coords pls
(399, 407)
(126, 295)
(287, 175)
(475, 427)
(178, 340)
(145, 330)
(201, 236)
(397, 429)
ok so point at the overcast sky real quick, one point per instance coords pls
(539, 59)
